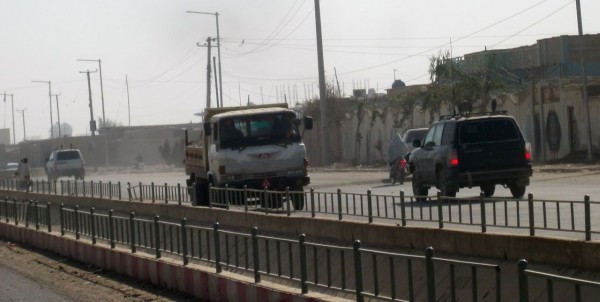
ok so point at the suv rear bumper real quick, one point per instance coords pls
(519, 176)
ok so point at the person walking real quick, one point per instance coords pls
(24, 174)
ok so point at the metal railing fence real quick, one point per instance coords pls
(366, 273)
(529, 216)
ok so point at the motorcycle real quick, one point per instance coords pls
(398, 170)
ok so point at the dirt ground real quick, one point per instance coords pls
(77, 281)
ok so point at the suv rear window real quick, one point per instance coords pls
(67, 155)
(484, 131)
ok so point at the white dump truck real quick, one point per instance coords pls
(258, 146)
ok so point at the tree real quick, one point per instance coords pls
(109, 123)
(65, 130)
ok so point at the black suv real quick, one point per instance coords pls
(470, 150)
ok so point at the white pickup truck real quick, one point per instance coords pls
(258, 146)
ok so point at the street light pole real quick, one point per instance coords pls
(322, 87)
(92, 122)
(50, 96)
(586, 102)
(58, 114)
(12, 104)
(218, 54)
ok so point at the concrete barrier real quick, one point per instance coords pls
(538, 250)
(191, 279)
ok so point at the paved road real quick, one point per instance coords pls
(17, 287)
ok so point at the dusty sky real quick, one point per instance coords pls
(268, 49)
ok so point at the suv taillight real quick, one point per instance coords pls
(453, 159)
(528, 151)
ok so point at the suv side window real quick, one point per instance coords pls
(437, 136)
(429, 138)
(448, 136)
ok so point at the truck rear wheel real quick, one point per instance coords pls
(297, 197)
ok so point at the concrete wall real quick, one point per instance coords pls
(194, 280)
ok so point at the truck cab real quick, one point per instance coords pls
(258, 147)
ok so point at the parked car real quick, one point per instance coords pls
(68, 162)
(9, 170)
(473, 150)
(410, 136)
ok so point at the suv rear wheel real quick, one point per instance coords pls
(419, 190)
(517, 191)
(445, 189)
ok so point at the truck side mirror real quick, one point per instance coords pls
(308, 122)
(207, 129)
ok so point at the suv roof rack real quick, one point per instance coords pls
(472, 114)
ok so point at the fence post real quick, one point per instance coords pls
(76, 220)
(62, 219)
(15, 211)
(440, 212)
(217, 247)
(210, 193)
(312, 202)
(62, 187)
(179, 193)
(531, 214)
(83, 187)
(245, 198)
(55, 188)
(101, 189)
(370, 205)
(255, 255)
(483, 217)
(132, 231)
(93, 223)
(28, 213)
(157, 236)
(36, 215)
(289, 200)
(523, 282)
(184, 240)
(119, 187)
(129, 191)
(141, 192)
(226, 197)
(358, 271)
(166, 194)
(76, 189)
(6, 208)
(430, 271)
(92, 188)
(153, 192)
(48, 218)
(402, 209)
(37, 186)
(339, 202)
(111, 229)
(588, 221)
(110, 190)
(303, 264)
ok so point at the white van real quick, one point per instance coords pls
(68, 162)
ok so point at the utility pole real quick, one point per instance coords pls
(24, 133)
(322, 87)
(586, 102)
(92, 122)
(218, 54)
(50, 97)
(216, 84)
(58, 115)
(128, 105)
(101, 86)
(12, 102)
(208, 71)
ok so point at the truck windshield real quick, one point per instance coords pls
(256, 130)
